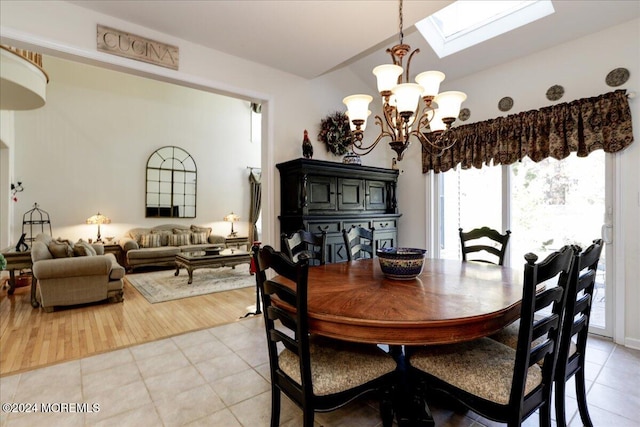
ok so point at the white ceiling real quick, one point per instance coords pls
(311, 37)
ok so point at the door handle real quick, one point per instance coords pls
(605, 233)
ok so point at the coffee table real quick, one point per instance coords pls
(200, 259)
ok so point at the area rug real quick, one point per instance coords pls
(160, 286)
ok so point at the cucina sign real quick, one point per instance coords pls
(135, 47)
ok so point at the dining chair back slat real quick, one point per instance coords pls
(359, 242)
(484, 240)
(307, 244)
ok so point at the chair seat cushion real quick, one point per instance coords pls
(338, 365)
(483, 367)
(509, 336)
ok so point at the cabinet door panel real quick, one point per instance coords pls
(321, 193)
(376, 195)
(351, 194)
(386, 240)
(336, 251)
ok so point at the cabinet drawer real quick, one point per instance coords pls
(320, 226)
(384, 224)
(348, 224)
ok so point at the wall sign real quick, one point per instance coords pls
(135, 47)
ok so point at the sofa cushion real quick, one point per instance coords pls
(39, 251)
(199, 238)
(179, 239)
(150, 241)
(153, 253)
(181, 231)
(60, 249)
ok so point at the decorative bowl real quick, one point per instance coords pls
(109, 239)
(401, 263)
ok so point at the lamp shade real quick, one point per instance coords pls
(436, 122)
(232, 217)
(449, 103)
(98, 219)
(357, 106)
(407, 96)
(430, 82)
(387, 76)
(362, 127)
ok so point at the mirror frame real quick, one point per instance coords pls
(171, 184)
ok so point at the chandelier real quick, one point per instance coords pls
(404, 116)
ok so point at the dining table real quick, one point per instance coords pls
(450, 301)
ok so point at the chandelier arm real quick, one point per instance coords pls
(390, 114)
(366, 150)
(406, 77)
(441, 143)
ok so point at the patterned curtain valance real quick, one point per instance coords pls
(583, 126)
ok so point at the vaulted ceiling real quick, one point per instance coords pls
(311, 37)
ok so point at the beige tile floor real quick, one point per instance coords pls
(219, 377)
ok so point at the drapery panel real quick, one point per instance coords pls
(256, 203)
(581, 126)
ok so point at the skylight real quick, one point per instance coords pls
(465, 23)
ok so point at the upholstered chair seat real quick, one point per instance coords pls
(482, 367)
(338, 366)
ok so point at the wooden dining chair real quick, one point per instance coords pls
(574, 333)
(318, 374)
(493, 379)
(359, 242)
(307, 243)
(485, 241)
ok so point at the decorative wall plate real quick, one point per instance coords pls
(465, 113)
(617, 77)
(555, 92)
(505, 104)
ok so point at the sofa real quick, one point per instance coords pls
(157, 246)
(74, 273)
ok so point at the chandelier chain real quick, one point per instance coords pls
(401, 25)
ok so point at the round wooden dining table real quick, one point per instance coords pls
(450, 301)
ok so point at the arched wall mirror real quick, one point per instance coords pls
(171, 184)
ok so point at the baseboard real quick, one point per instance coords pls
(632, 343)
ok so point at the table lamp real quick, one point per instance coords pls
(98, 219)
(232, 218)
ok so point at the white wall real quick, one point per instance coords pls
(86, 150)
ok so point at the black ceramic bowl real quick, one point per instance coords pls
(401, 263)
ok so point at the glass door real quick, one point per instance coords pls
(546, 205)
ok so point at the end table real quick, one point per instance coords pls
(237, 242)
(19, 261)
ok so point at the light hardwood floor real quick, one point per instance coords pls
(31, 338)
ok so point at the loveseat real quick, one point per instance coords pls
(158, 246)
(74, 273)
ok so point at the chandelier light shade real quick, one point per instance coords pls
(408, 109)
(98, 219)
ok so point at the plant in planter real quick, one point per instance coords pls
(3, 262)
(335, 133)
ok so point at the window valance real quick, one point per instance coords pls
(583, 126)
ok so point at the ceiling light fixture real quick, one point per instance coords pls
(403, 115)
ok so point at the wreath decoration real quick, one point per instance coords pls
(336, 133)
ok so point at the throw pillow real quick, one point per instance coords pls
(150, 241)
(83, 248)
(181, 231)
(164, 236)
(198, 238)
(181, 239)
(60, 249)
(196, 229)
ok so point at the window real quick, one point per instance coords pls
(465, 23)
